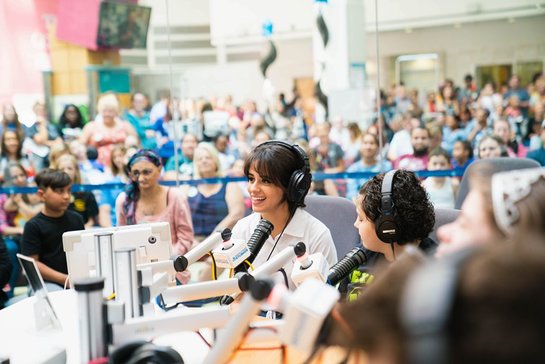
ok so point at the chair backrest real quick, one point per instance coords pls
(338, 214)
(442, 217)
(497, 165)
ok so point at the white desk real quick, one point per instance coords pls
(20, 341)
(23, 344)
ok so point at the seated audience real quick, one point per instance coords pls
(491, 146)
(368, 162)
(15, 211)
(116, 173)
(82, 202)
(145, 200)
(185, 159)
(12, 152)
(539, 154)
(502, 129)
(418, 160)
(462, 155)
(139, 118)
(40, 137)
(214, 206)
(71, 123)
(441, 190)
(107, 129)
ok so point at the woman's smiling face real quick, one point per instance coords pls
(266, 197)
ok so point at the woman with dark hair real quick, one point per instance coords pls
(278, 181)
(145, 200)
(12, 152)
(10, 121)
(71, 122)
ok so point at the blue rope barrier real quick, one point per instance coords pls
(318, 176)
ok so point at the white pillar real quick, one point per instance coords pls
(344, 57)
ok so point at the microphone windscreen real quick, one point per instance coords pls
(343, 267)
(261, 233)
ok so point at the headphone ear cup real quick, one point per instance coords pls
(122, 354)
(151, 353)
(386, 229)
(298, 186)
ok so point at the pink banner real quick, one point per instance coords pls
(77, 22)
(24, 52)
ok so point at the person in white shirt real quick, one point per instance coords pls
(278, 181)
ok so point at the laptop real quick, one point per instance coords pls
(44, 311)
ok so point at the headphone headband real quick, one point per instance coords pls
(385, 226)
(300, 179)
(296, 149)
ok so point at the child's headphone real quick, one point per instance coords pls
(300, 179)
(385, 225)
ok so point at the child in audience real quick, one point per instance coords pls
(491, 146)
(441, 190)
(82, 202)
(462, 155)
(42, 235)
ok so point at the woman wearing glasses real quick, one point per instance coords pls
(144, 201)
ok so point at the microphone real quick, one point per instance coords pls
(260, 235)
(216, 238)
(272, 265)
(343, 267)
(309, 266)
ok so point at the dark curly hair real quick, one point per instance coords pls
(413, 212)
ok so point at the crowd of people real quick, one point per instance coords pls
(277, 151)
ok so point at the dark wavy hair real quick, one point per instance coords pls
(132, 190)
(276, 162)
(413, 212)
(63, 121)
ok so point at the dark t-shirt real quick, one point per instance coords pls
(84, 204)
(355, 283)
(5, 271)
(43, 236)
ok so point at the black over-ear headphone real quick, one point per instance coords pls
(426, 308)
(144, 352)
(300, 179)
(385, 225)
